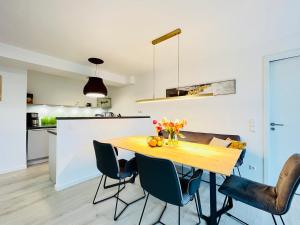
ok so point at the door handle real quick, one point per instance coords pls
(276, 124)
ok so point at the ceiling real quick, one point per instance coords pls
(120, 32)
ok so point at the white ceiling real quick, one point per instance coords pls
(120, 31)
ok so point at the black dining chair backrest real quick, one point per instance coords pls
(287, 183)
(159, 178)
(107, 162)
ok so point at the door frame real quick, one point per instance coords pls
(266, 104)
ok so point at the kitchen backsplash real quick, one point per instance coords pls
(49, 112)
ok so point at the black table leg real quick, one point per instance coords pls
(212, 219)
(213, 198)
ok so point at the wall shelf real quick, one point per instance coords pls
(69, 106)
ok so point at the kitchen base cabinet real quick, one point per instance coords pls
(38, 146)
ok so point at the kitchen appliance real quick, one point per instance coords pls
(29, 98)
(109, 114)
(38, 145)
(104, 103)
(32, 119)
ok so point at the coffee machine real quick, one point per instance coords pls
(32, 119)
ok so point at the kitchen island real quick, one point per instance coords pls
(75, 160)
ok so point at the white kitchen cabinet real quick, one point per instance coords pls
(38, 144)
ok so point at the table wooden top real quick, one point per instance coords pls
(214, 159)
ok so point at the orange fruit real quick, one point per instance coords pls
(157, 138)
(159, 143)
(152, 143)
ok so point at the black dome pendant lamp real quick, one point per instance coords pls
(95, 88)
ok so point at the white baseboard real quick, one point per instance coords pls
(13, 169)
(60, 187)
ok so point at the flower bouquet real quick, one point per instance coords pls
(171, 128)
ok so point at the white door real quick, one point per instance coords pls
(284, 113)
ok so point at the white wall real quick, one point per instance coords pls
(57, 90)
(222, 114)
(13, 120)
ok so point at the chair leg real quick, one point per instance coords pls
(111, 185)
(124, 183)
(144, 209)
(274, 219)
(199, 213)
(126, 204)
(224, 204)
(180, 171)
(97, 191)
(164, 209)
(178, 215)
(199, 202)
(161, 215)
(237, 219)
(224, 177)
(230, 202)
(239, 171)
(104, 184)
(282, 220)
(117, 200)
(102, 200)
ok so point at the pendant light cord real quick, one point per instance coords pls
(96, 72)
(154, 72)
(178, 68)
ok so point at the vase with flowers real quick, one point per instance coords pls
(171, 128)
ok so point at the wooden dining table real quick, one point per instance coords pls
(215, 160)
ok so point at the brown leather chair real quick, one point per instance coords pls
(274, 200)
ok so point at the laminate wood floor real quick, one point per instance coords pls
(28, 197)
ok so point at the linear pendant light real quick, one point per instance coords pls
(95, 88)
(176, 98)
(165, 37)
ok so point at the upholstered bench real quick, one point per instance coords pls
(205, 138)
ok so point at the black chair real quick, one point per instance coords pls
(121, 162)
(109, 166)
(274, 200)
(160, 179)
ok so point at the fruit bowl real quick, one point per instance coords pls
(155, 141)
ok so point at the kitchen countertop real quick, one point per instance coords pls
(41, 127)
(52, 132)
(96, 117)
